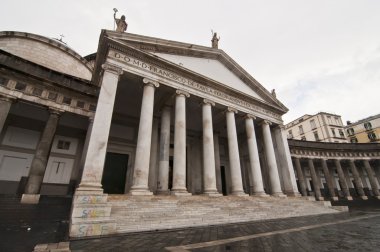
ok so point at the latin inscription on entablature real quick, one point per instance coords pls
(137, 63)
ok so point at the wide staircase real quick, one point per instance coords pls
(144, 213)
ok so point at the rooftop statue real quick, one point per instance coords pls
(121, 25)
(214, 40)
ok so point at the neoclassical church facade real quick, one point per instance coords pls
(142, 122)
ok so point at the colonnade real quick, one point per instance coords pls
(343, 168)
(94, 161)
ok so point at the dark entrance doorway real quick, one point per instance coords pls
(223, 175)
(115, 170)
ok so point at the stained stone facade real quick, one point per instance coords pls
(145, 134)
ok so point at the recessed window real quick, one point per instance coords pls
(337, 121)
(329, 120)
(333, 132)
(368, 126)
(300, 129)
(303, 138)
(3, 81)
(312, 124)
(353, 140)
(20, 86)
(92, 107)
(290, 136)
(63, 145)
(350, 131)
(52, 96)
(316, 136)
(371, 136)
(80, 104)
(37, 91)
(66, 100)
(341, 133)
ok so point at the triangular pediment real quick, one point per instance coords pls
(213, 69)
(213, 64)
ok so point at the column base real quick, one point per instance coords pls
(260, 194)
(293, 194)
(364, 197)
(348, 198)
(180, 193)
(377, 197)
(212, 194)
(320, 198)
(334, 198)
(30, 198)
(239, 194)
(279, 195)
(309, 198)
(139, 192)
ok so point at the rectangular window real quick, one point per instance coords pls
(333, 132)
(80, 104)
(300, 129)
(316, 136)
(368, 126)
(3, 81)
(20, 86)
(92, 107)
(303, 138)
(66, 100)
(353, 140)
(312, 124)
(337, 122)
(37, 91)
(63, 145)
(371, 136)
(329, 120)
(350, 131)
(341, 133)
(290, 136)
(52, 96)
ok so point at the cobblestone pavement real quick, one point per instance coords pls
(358, 230)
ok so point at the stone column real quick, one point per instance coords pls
(372, 179)
(5, 106)
(217, 163)
(179, 161)
(271, 159)
(342, 179)
(89, 196)
(357, 180)
(329, 179)
(301, 177)
(163, 168)
(97, 146)
(153, 169)
(285, 162)
(254, 161)
(209, 177)
(144, 139)
(314, 179)
(39, 162)
(233, 154)
(85, 146)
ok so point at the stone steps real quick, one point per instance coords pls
(143, 213)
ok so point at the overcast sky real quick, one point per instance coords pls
(319, 55)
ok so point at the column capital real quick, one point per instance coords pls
(112, 69)
(250, 116)
(153, 83)
(265, 122)
(182, 93)
(231, 109)
(280, 126)
(55, 111)
(208, 102)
